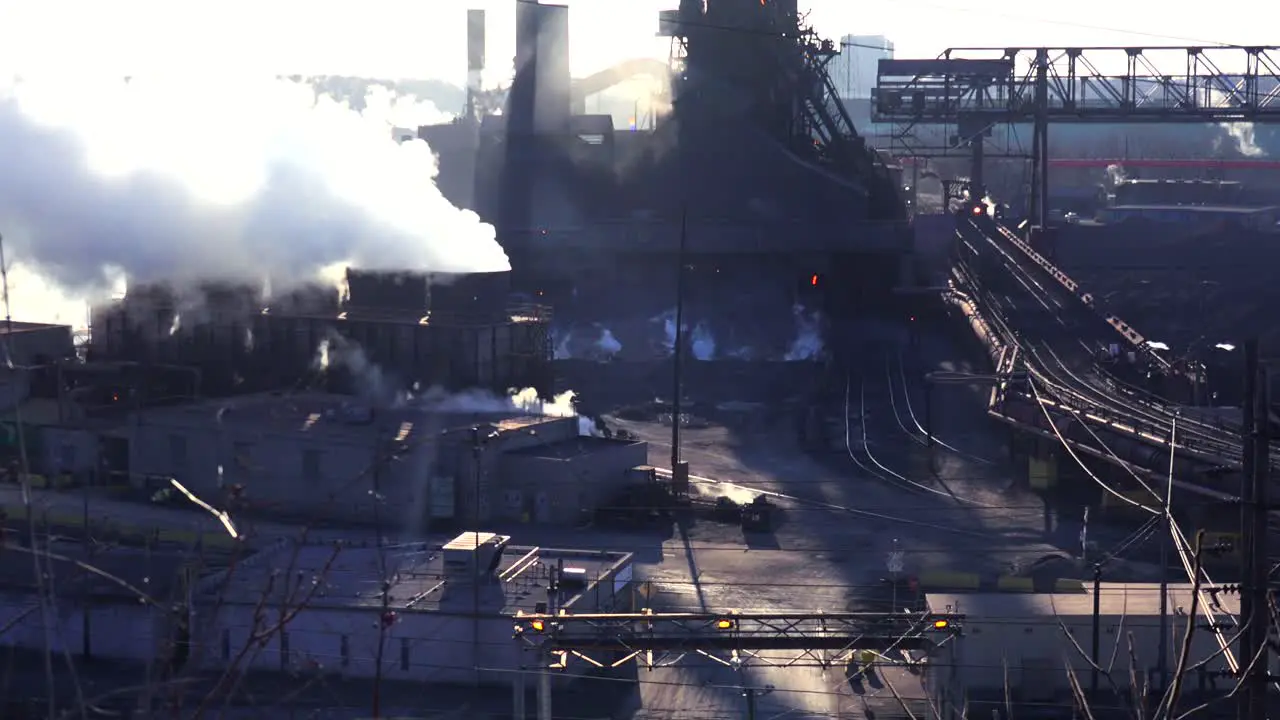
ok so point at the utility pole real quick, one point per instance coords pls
(1256, 580)
(679, 470)
(1250, 639)
(752, 694)
(1097, 627)
(1166, 527)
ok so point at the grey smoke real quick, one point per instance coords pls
(173, 181)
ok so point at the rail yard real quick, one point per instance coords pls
(801, 396)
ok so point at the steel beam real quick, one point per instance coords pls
(664, 632)
(1158, 84)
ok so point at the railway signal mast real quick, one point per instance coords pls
(824, 640)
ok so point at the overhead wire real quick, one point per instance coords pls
(1181, 544)
(906, 395)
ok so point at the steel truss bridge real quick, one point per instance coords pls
(968, 91)
(735, 640)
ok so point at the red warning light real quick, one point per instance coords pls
(814, 281)
(977, 209)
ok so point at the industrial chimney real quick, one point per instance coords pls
(475, 58)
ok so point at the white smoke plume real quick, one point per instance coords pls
(370, 382)
(376, 388)
(808, 342)
(1242, 135)
(524, 400)
(598, 344)
(219, 178)
(699, 338)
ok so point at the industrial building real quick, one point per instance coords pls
(128, 616)
(1021, 639)
(413, 465)
(448, 330)
(446, 616)
(28, 343)
(756, 166)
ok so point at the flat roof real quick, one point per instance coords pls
(350, 577)
(15, 326)
(1228, 209)
(571, 448)
(320, 413)
(154, 573)
(1131, 599)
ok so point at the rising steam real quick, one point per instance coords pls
(220, 178)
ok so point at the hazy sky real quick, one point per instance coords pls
(424, 38)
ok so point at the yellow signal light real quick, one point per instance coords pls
(941, 624)
(538, 625)
(724, 624)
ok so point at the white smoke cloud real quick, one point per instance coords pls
(524, 400)
(1242, 135)
(219, 178)
(375, 387)
(596, 343)
(808, 342)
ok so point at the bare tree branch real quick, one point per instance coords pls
(1082, 703)
(903, 703)
(1180, 670)
(1138, 691)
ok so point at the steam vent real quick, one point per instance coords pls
(430, 329)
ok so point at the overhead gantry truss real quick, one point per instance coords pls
(1159, 84)
(626, 637)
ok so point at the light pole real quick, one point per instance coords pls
(679, 470)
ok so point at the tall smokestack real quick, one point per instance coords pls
(475, 58)
(540, 91)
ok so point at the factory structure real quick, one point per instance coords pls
(757, 166)
(413, 467)
(446, 330)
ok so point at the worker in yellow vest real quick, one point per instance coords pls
(866, 664)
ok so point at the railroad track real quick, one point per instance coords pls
(1044, 337)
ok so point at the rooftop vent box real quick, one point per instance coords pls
(474, 555)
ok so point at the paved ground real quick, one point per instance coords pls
(840, 521)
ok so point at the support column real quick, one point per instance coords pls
(977, 183)
(1256, 683)
(1041, 139)
(544, 690)
(1249, 639)
(518, 692)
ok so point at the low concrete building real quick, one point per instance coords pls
(126, 612)
(446, 616)
(1028, 640)
(556, 482)
(327, 456)
(29, 343)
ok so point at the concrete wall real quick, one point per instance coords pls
(66, 450)
(1034, 652)
(559, 490)
(121, 630)
(329, 473)
(31, 342)
(419, 646)
(433, 646)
